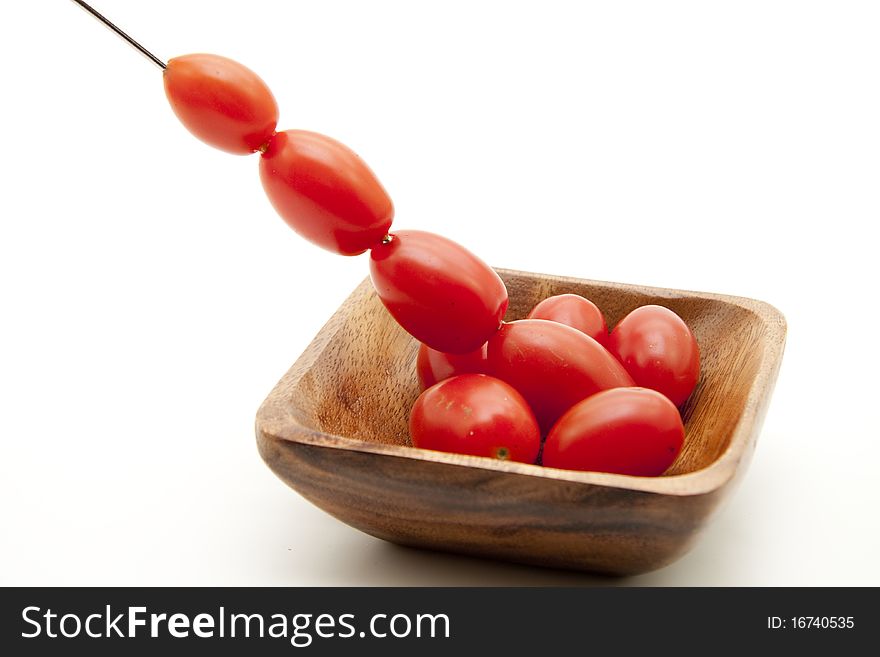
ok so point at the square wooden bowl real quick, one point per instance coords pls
(335, 430)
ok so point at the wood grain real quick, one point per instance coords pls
(335, 430)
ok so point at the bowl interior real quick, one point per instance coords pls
(360, 381)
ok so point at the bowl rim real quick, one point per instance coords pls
(274, 420)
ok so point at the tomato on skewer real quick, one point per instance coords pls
(222, 102)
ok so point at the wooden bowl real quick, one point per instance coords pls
(335, 430)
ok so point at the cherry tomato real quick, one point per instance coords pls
(552, 365)
(475, 414)
(433, 366)
(441, 293)
(221, 102)
(575, 311)
(658, 350)
(325, 192)
(633, 431)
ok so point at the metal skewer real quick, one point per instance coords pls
(146, 53)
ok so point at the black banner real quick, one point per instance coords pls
(429, 621)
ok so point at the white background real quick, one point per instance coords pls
(150, 297)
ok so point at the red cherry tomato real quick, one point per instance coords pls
(221, 102)
(575, 311)
(658, 350)
(441, 293)
(433, 366)
(633, 431)
(475, 414)
(552, 365)
(325, 192)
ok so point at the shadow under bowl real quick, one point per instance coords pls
(335, 430)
